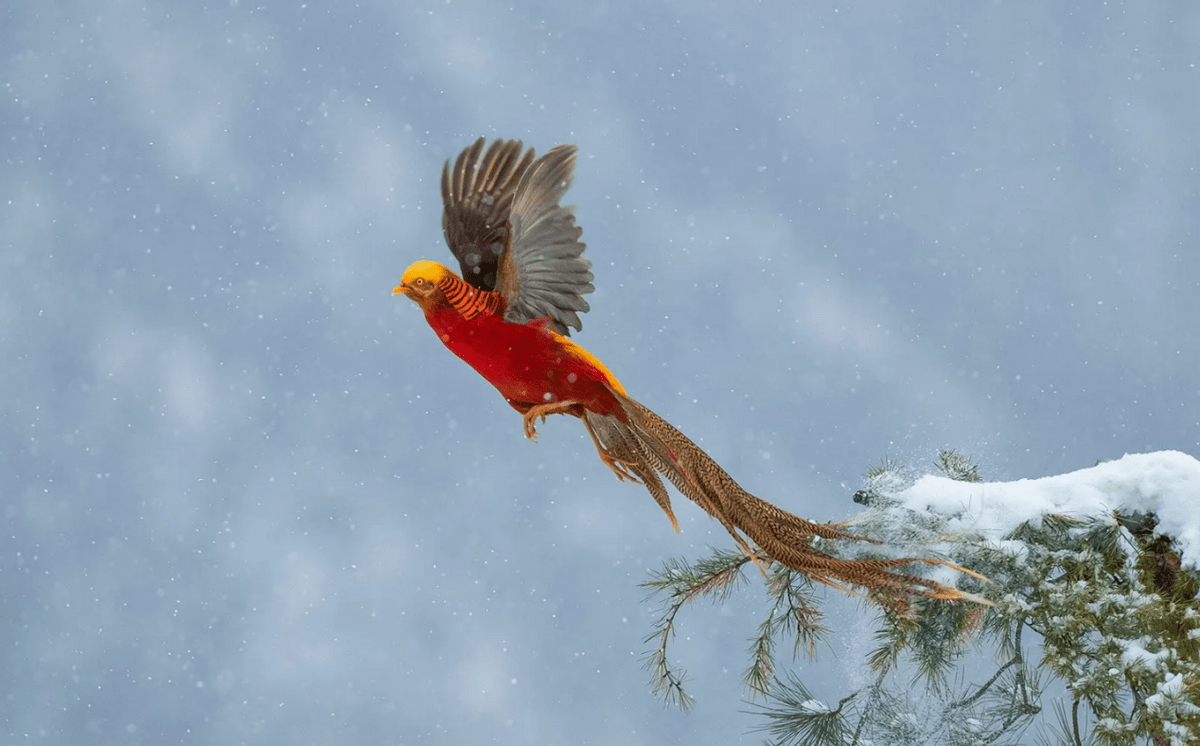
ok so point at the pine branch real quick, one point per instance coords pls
(715, 576)
(872, 707)
(957, 467)
(799, 719)
(1065, 731)
(1113, 601)
(793, 611)
(986, 687)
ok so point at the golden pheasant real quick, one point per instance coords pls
(522, 285)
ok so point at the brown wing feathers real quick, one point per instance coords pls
(477, 197)
(504, 224)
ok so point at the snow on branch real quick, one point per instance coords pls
(1165, 483)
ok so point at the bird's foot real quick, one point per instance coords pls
(530, 430)
(542, 410)
(619, 467)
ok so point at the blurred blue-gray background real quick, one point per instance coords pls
(249, 498)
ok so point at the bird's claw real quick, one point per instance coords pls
(542, 410)
(531, 428)
(620, 468)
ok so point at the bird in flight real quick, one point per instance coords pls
(509, 315)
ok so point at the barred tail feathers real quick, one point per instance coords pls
(647, 446)
(618, 446)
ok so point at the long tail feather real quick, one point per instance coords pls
(647, 445)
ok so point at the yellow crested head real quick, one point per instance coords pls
(425, 283)
(420, 275)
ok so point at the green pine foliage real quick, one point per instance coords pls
(1102, 604)
(957, 466)
(1119, 623)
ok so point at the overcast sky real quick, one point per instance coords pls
(249, 498)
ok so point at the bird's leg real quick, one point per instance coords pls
(618, 466)
(567, 406)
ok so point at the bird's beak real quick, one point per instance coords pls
(400, 289)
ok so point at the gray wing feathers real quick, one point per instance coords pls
(544, 252)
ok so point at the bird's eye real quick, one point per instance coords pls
(419, 282)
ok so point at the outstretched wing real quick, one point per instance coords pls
(542, 271)
(477, 195)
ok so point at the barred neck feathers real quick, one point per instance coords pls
(469, 302)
